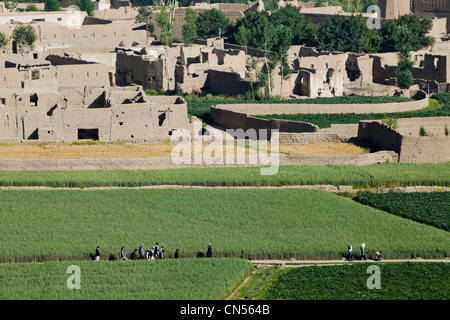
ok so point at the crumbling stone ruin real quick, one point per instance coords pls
(107, 114)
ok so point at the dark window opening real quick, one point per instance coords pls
(161, 118)
(91, 134)
(34, 100)
(2, 102)
(35, 75)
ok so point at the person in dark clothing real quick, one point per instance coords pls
(97, 254)
(134, 255)
(209, 252)
(156, 251)
(177, 253)
(123, 255)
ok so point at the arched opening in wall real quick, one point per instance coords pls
(161, 118)
(91, 134)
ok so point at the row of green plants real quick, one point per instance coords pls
(183, 279)
(52, 225)
(200, 105)
(429, 208)
(398, 281)
(368, 176)
(326, 120)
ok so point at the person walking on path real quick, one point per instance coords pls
(134, 255)
(156, 252)
(350, 253)
(378, 256)
(97, 254)
(209, 251)
(363, 251)
(123, 255)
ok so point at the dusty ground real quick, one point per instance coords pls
(163, 149)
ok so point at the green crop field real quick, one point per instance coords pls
(256, 224)
(429, 208)
(201, 106)
(326, 120)
(398, 281)
(368, 176)
(183, 279)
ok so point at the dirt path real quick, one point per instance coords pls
(329, 188)
(305, 263)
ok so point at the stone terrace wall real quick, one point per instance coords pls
(434, 126)
(411, 148)
(264, 109)
(379, 136)
(236, 120)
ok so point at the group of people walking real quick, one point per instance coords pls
(351, 255)
(153, 253)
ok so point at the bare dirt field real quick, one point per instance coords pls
(27, 151)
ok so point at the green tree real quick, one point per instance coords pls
(189, 29)
(186, 3)
(52, 5)
(211, 23)
(3, 41)
(25, 37)
(347, 34)
(165, 22)
(303, 31)
(282, 43)
(32, 7)
(248, 32)
(418, 29)
(86, 5)
(144, 16)
(403, 44)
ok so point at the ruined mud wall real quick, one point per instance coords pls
(431, 9)
(425, 149)
(236, 120)
(379, 136)
(411, 148)
(65, 116)
(221, 82)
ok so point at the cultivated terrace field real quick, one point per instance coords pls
(369, 176)
(439, 106)
(399, 281)
(429, 208)
(184, 279)
(50, 225)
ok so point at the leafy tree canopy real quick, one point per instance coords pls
(417, 38)
(347, 34)
(303, 31)
(52, 5)
(210, 22)
(86, 5)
